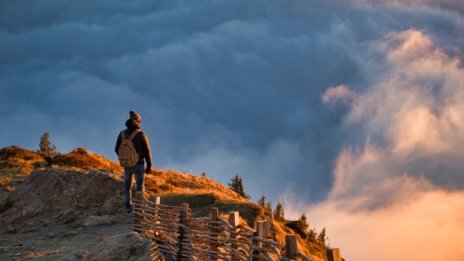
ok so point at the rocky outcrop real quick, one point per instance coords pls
(63, 191)
(5, 202)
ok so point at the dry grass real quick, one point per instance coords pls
(195, 201)
(316, 251)
(45, 252)
(249, 211)
(4, 180)
(17, 152)
(17, 160)
(164, 182)
(200, 192)
(16, 163)
(9, 188)
(82, 158)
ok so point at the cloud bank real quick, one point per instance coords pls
(399, 193)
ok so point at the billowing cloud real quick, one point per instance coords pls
(412, 118)
(401, 189)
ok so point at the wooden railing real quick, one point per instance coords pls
(176, 235)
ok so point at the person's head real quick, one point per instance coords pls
(134, 120)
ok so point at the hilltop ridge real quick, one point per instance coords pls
(83, 190)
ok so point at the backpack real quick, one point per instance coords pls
(127, 154)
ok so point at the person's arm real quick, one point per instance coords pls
(146, 152)
(118, 143)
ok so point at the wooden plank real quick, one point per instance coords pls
(234, 218)
(333, 254)
(291, 248)
(214, 230)
(234, 221)
(184, 216)
(261, 229)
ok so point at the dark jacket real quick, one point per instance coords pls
(141, 143)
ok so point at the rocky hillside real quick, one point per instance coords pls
(69, 207)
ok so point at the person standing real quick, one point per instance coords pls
(133, 147)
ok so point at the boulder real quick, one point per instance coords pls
(56, 190)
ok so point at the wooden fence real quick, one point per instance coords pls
(176, 235)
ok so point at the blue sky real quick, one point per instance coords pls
(311, 102)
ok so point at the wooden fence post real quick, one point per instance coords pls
(262, 231)
(184, 216)
(291, 248)
(214, 230)
(152, 217)
(138, 212)
(333, 254)
(234, 221)
(156, 213)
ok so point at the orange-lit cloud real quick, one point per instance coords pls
(428, 226)
(399, 195)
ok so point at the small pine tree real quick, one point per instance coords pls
(237, 186)
(279, 212)
(46, 147)
(312, 235)
(322, 237)
(303, 223)
(267, 206)
(262, 201)
(268, 209)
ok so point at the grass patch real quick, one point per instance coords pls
(248, 211)
(195, 201)
(81, 158)
(17, 152)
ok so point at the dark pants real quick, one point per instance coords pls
(138, 171)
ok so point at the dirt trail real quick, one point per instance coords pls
(47, 238)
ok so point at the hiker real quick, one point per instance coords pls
(132, 148)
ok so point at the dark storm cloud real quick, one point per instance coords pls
(224, 87)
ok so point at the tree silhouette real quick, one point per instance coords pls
(279, 212)
(262, 201)
(312, 235)
(237, 186)
(46, 147)
(322, 237)
(268, 209)
(267, 206)
(303, 224)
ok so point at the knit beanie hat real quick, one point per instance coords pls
(135, 116)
